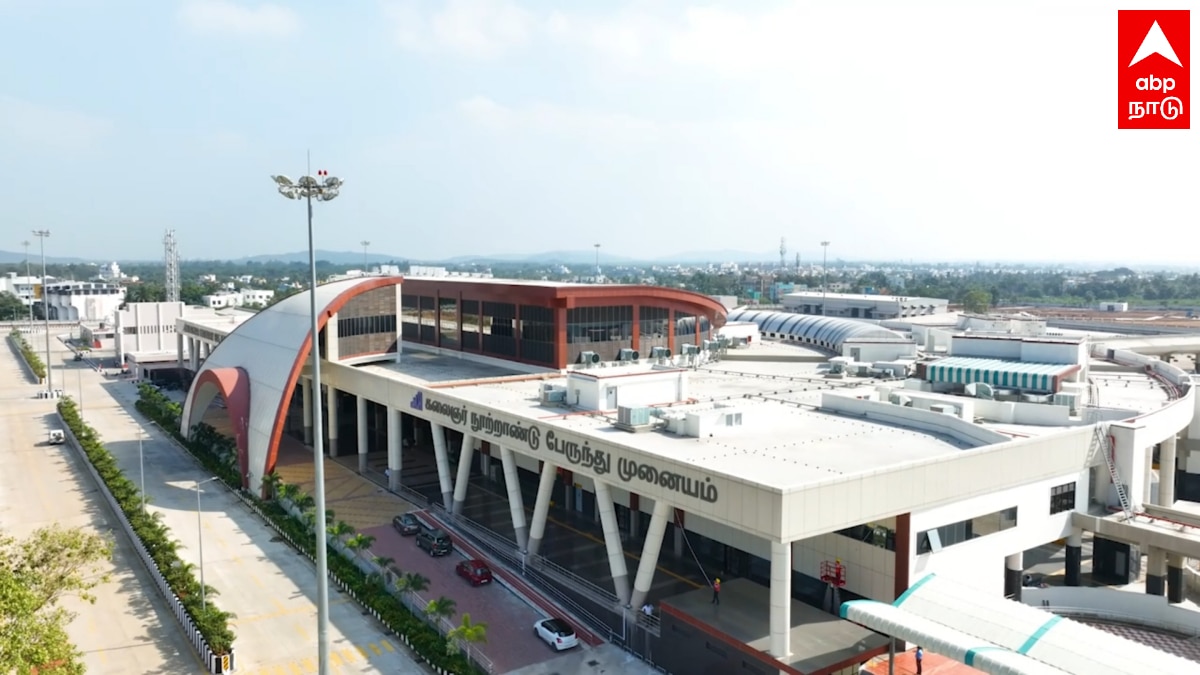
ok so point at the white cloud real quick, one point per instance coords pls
(477, 28)
(228, 18)
(27, 123)
(561, 121)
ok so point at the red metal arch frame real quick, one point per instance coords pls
(303, 357)
(234, 385)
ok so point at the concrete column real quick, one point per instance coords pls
(332, 353)
(364, 445)
(541, 508)
(612, 542)
(1176, 592)
(516, 505)
(193, 354)
(331, 407)
(395, 448)
(1014, 569)
(464, 472)
(443, 464)
(307, 398)
(650, 551)
(781, 600)
(1156, 572)
(1166, 472)
(1074, 574)
(179, 350)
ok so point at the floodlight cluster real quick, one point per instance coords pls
(307, 187)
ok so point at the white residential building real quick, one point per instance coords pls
(83, 300)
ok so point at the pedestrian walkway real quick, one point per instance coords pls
(263, 581)
(129, 628)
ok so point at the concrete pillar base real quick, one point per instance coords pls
(1175, 590)
(1074, 576)
(458, 507)
(308, 435)
(1012, 583)
(394, 480)
(362, 463)
(621, 586)
(535, 543)
(522, 534)
(332, 447)
(1155, 584)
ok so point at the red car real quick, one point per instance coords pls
(475, 571)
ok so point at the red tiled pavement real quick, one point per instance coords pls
(510, 640)
(517, 583)
(933, 664)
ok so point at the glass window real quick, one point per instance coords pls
(1062, 498)
(931, 541)
(448, 323)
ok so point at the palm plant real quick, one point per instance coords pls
(272, 485)
(468, 632)
(339, 529)
(383, 562)
(360, 542)
(412, 582)
(440, 607)
(287, 491)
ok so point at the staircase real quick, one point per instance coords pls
(1102, 443)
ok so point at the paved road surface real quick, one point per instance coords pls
(269, 587)
(129, 629)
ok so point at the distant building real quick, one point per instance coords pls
(22, 287)
(83, 300)
(855, 306)
(246, 297)
(1113, 307)
(109, 272)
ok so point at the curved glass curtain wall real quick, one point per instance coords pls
(823, 331)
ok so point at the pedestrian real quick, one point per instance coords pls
(716, 591)
(920, 658)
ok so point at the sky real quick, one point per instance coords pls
(911, 131)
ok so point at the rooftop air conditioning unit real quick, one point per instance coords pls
(981, 390)
(588, 358)
(660, 353)
(554, 396)
(628, 355)
(943, 409)
(633, 417)
(689, 350)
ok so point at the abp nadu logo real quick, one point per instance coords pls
(417, 402)
(1154, 69)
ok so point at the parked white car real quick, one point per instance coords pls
(556, 633)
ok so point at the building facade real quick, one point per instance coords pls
(550, 325)
(83, 301)
(855, 306)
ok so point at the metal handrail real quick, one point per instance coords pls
(507, 548)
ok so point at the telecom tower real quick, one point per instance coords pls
(782, 253)
(171, 259)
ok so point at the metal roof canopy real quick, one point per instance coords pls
(1050, 639)
(997, 372)
(829, 332)
(943, 640)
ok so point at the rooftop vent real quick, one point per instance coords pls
(980, 390)
(689, 350)
(628, 355)
(633, 419)
(588, 358)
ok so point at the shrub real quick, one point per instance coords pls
(212, 623)
(30, 356)
(215, 451)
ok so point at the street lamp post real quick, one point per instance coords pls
(200, 534)
(824, 274)
(365, 244)
(323, 189)
(27, 280)
(42, 235)
(597, 262)
(142, 468)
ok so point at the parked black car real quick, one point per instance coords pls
(406, 524)
(435, 542)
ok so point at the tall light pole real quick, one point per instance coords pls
(824, 274)
(27, 280)
(323, 189)
(41, 235)
(142, 467)
(597, 262)
(199, 533)
(365, 244)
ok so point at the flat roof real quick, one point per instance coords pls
(784, 441)
(861, 296)
(492, 281)
(1048, 339)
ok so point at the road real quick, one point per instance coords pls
(129, 629)
(269, 587)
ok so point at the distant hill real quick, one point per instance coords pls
(9, 257)
(333, 257)
(589, 258)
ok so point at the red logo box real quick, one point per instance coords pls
(1154, 69)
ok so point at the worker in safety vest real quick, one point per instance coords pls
(716, 591)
